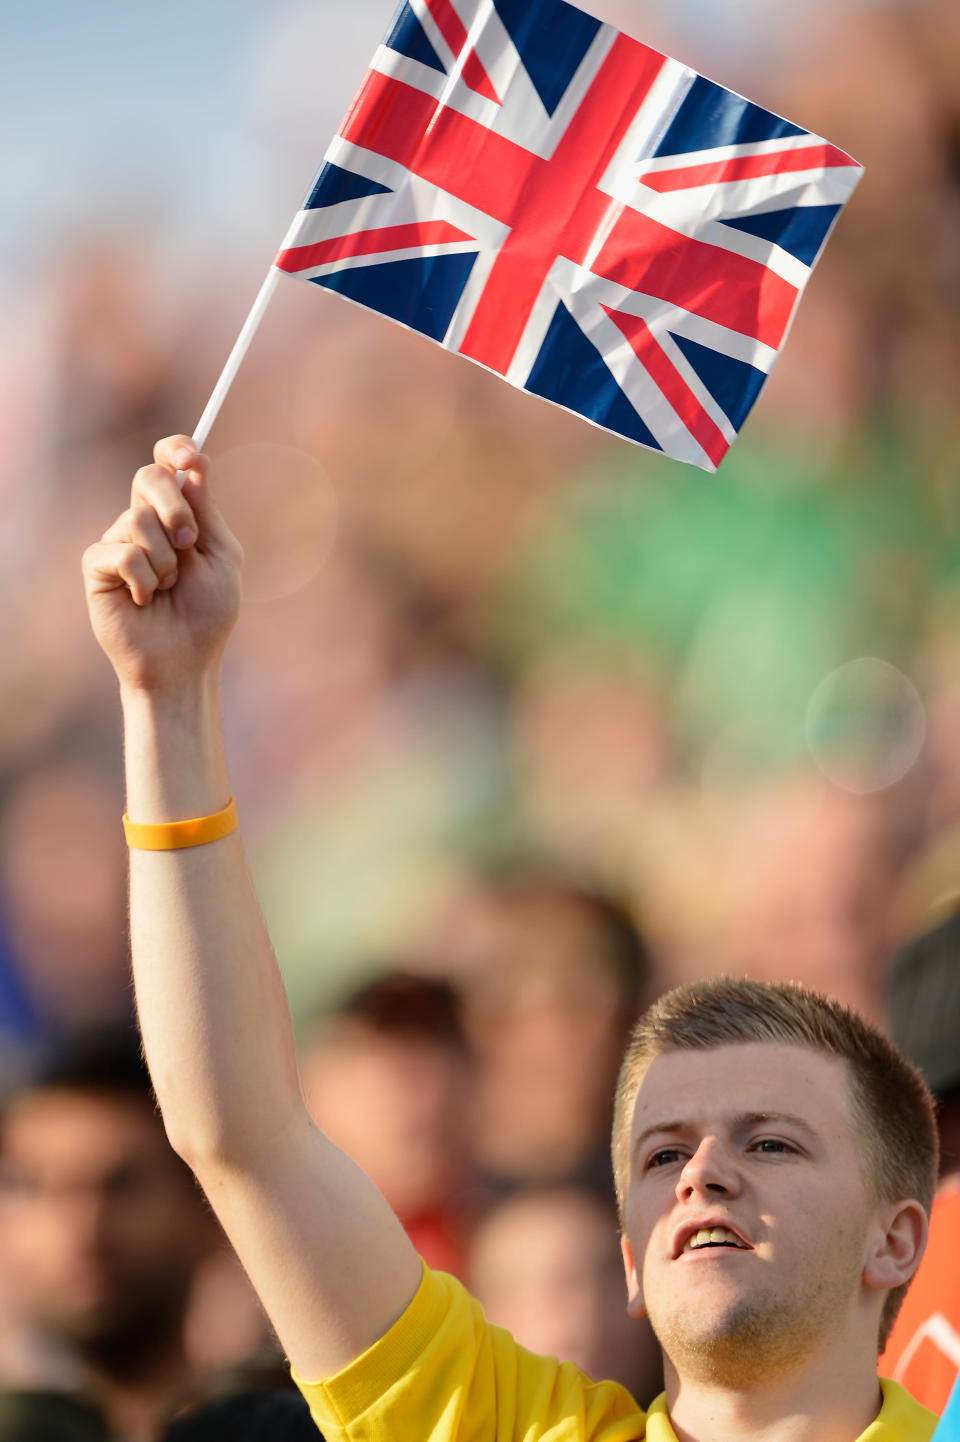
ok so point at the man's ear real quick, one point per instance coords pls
(635, 1305)
(898, 1246)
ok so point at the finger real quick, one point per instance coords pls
(141, 525)
(181, 455)
(111, 564)
(177, 453)
(215, 534)
(156, 488)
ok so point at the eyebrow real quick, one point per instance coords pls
(742, 1122)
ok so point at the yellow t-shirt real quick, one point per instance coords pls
(443, 1373)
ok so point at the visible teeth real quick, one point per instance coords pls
(706, 1235)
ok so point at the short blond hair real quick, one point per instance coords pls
(894, 1110)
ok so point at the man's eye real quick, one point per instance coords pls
(772, 1145)
(664, 1157)
(126, 1182)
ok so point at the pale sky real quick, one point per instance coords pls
(134, 113)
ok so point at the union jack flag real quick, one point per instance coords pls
(593, 221)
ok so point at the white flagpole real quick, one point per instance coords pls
(241, 345)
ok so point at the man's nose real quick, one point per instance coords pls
(711, 1171)
(83, 1214)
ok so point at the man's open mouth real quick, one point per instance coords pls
(697, 1239)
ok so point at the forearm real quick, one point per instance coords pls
(329, 1259)
(212, 1008)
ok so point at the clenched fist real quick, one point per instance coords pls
(163, 583)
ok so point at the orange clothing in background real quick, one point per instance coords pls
(924, 1347)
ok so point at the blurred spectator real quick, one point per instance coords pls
(47, 1417)
(19, 1023)
(256, 1401)
(552, 977)
(590, 746)
(62, 890)
(545, 1263)
(104, 1232)
(267, 1416)
(112, 345)
(811, 883)
(388, 1078)
(923, 994)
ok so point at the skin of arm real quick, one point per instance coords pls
(330, 1261)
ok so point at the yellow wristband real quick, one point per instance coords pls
(173, 835)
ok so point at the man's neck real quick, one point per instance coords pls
(135, 1401)
(826, 1403)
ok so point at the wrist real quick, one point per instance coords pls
(190, 699)
(175, 766)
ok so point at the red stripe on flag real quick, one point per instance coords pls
(718, 284)
(664, 373)
(746, 167)
(369, 242)
(452, 29)
(559, 210)
(436, 142)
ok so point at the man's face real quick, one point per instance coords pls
(102, 1225)
(750, 1149)
(397, 1106)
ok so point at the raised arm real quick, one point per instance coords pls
(328, 1257)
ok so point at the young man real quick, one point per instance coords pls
(766, 1216)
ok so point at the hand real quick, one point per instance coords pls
(163, 584)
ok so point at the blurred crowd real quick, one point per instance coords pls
(525, 724)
